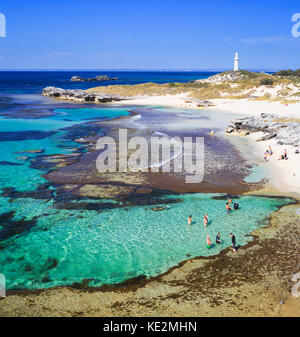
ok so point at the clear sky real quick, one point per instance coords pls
(142, 34)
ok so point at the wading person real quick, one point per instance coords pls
(233, 242)
(205, 220)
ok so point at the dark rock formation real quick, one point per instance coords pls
(80, 95)
(98, 78)
(286, 132)
(199, 102)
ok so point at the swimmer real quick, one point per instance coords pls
(218, 238)
(189, 219)
(228, 208)
(236, 205)
(208, 242)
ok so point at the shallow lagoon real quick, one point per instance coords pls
(109, 247)
(42, 246)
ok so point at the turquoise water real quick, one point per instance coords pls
(42, 246)
(23, 177)
(89, 113)
(114, 245)
(257, 173)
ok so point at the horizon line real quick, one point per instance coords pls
(147, 70)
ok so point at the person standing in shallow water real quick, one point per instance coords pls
(189, 219)
(205, 220)
(228, 208)
(233, 242)
(218, 238)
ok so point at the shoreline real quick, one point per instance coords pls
(249, 107)
(159, 292)
(142, 280)
(158, 295)
(280, 172)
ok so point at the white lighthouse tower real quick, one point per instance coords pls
(236, 62)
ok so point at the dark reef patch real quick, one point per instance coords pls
(24, 135)
(51, 263)
(225, 197)
(11, 228)
(9, 163)
(41, 192)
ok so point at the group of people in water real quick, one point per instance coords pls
(209, 243)
(229, 208)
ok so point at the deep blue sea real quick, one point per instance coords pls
(33, 82)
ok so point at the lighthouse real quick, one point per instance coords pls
(236, 62)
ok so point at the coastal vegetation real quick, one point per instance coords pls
(232, 85)
(288, 72)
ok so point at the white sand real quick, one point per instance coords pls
(254, 108)
(284, 175)
(240, 106)
(176, 101)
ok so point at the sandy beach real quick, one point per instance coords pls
(248, 107)
(284, 174)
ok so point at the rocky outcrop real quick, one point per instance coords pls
(199, 102)
(82, 96)
(93, 79)
(228, 76)
(285, 131)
